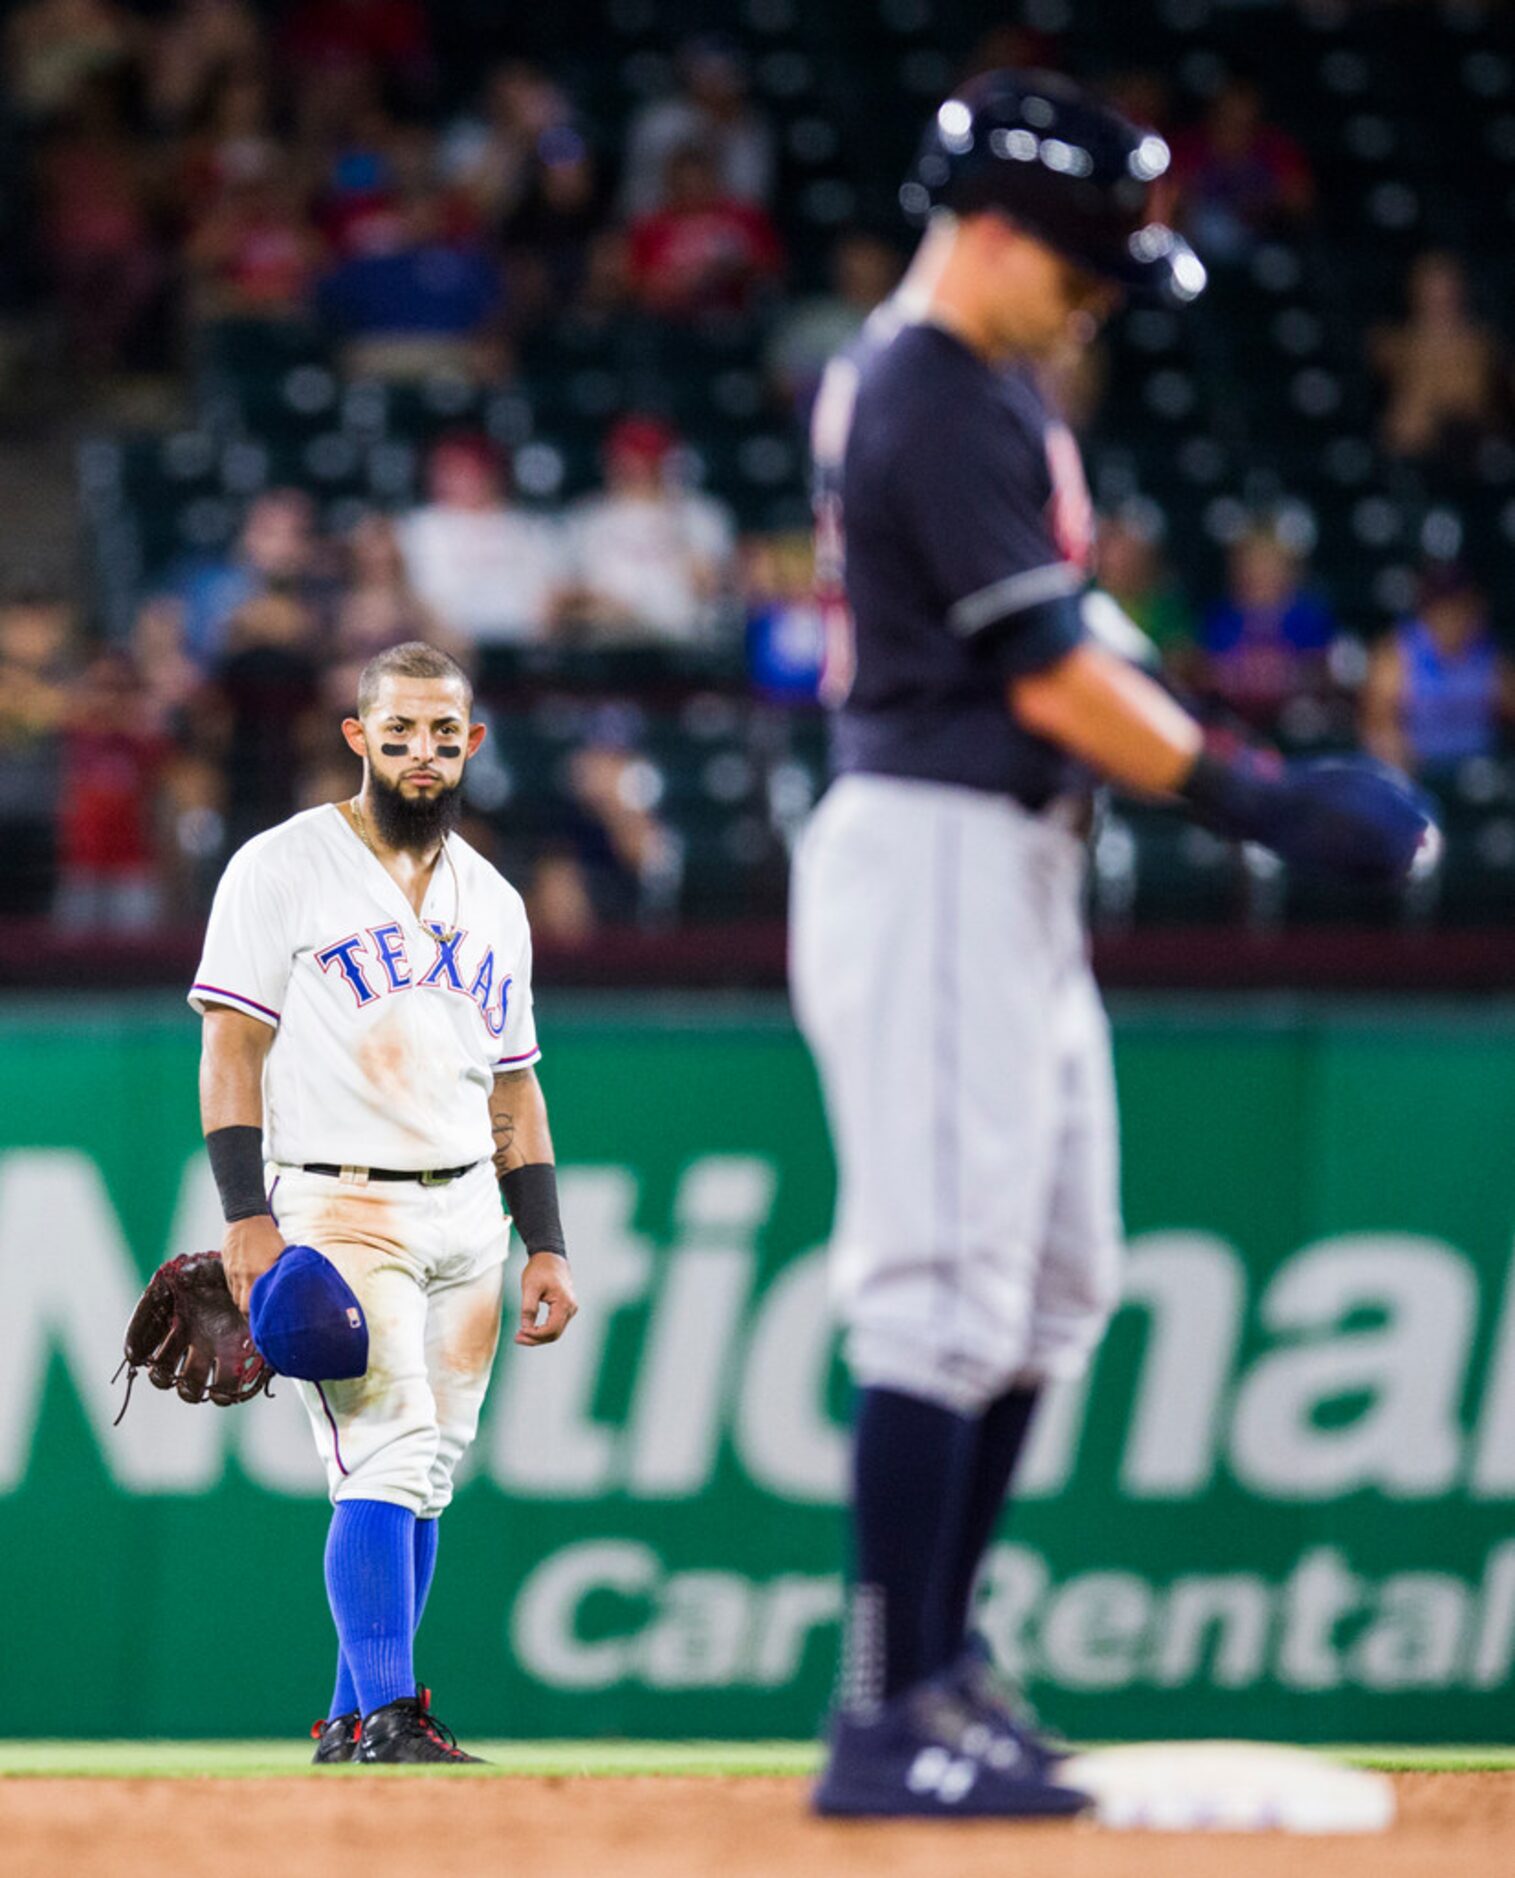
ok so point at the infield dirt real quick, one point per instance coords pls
(662, 1827)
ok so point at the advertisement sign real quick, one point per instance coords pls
(1282, 1504)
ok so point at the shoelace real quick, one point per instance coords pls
(1007, 1696)
(946, 1716)
(437, 1731)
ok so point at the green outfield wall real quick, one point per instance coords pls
(1283, 1505)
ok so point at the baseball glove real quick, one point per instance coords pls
(188, 1335)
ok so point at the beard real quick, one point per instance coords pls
(415, 823)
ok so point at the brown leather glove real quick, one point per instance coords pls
(188, 1335)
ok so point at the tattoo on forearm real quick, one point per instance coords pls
(504, 1135)
(520, 1133)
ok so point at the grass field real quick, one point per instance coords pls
(134, 1760)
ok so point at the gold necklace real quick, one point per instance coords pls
(360, 825)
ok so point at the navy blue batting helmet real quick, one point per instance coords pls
(1069, 170)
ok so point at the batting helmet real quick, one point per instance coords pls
(1066, 168)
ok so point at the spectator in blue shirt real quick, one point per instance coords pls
(1267, 642)
(430, 301)
(1438, 688)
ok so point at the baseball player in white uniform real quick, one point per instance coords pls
(938, 958)
(367, 1088)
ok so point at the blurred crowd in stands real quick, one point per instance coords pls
(210, 161)
(204, 163)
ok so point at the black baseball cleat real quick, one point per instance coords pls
(927, 1755)
(1018, 1734)
(337, 1739)
(408, 1731)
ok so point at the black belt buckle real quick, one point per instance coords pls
(438, 1176)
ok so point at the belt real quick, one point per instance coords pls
(431, 1177)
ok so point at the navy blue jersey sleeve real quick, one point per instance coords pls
(973, 492)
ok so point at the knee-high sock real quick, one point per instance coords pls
(427, 1532)
(344, 1697)
(371, 1584)
(909, 1473)
(998, 1439)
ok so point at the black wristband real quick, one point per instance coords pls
(236, 1160)
(1239, 798)
(531, 1199)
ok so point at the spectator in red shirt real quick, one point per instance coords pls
(97, 228)
(1239, 178)
(113, 760)
(392, 37)
(702, 252)
(256, 255)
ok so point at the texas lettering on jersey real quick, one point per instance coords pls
(310, 936)
(374, 963)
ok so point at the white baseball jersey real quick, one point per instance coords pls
(390, 1028)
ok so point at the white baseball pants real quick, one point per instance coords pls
(939, 972)
(428, 1266)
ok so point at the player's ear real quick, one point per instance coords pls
(476, 735)
(352, 730)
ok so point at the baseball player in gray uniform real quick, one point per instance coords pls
(938, 958)
(367, 1088)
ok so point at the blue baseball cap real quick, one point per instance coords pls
(306, 1319)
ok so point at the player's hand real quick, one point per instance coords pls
(247, 1251)
(545, 1281)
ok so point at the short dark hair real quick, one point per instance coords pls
(413, 659)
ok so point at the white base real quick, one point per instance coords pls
(1228, 1786)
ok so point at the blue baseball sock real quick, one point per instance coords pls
(998, 1438)
(344, 1697)
(910, 1466)
(427, 1533)
(371, 1585)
